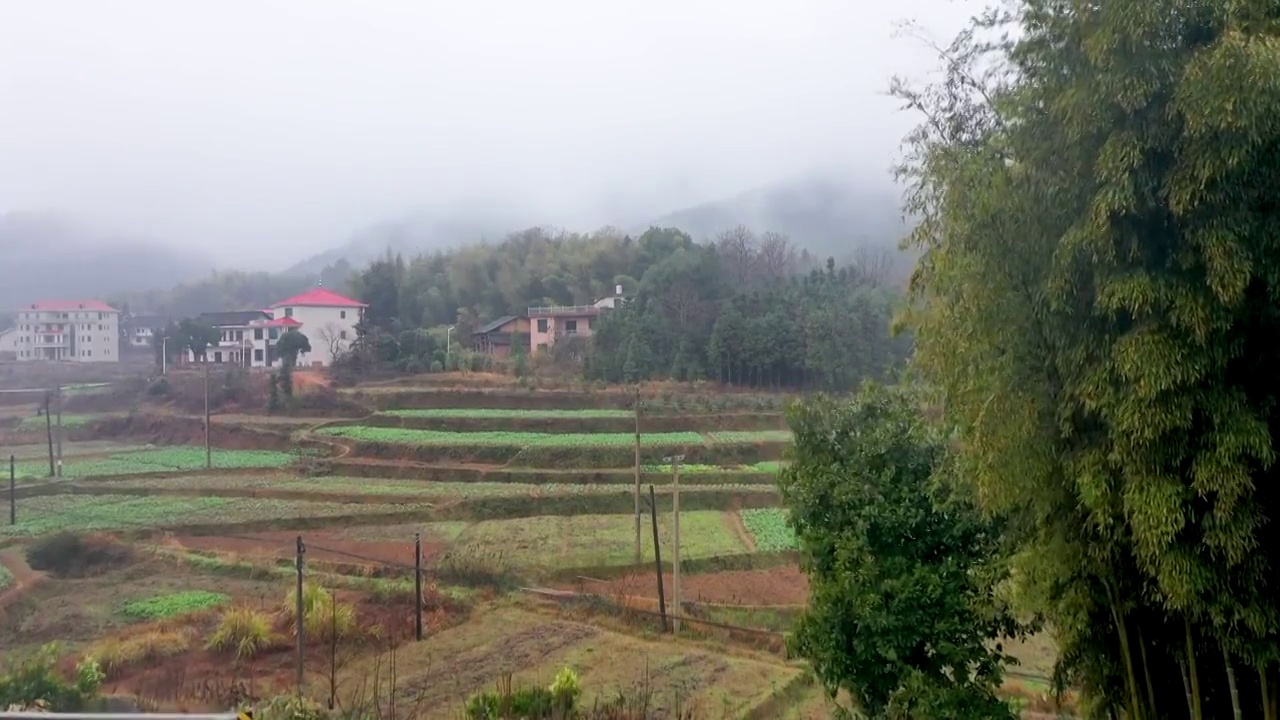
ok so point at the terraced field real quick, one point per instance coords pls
(155, 460)
(538, 494)
(94, 513)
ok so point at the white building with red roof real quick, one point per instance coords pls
(67, 330)
(327, 318)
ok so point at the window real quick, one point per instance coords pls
(591, 323)
(342, 314)
(275, 333)
(570, 327)
(257, 355)
(542, 325)
(288, 312)
(217, 357)
(342, 335)
(257, 335)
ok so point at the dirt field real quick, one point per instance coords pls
(783, 585)
(322, 546)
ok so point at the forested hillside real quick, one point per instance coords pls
(745, 309)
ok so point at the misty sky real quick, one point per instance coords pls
(264, 131)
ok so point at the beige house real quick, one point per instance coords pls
(68, 330)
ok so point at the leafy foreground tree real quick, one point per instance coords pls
(901, 570)
(1098, 303)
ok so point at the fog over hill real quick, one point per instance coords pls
(827, 212)
(48, 256)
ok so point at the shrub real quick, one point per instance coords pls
(66, 554)
(34, 683)
(564, 689)
(159, 387)
(116, 654)
(557, 701)
(243, 631)
(323, 617)
(291, 707)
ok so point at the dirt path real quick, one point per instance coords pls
(24, 578)
(734, 520)
(780, 586)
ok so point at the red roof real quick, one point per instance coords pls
(283, 322)
(69, 305)
(320, 297)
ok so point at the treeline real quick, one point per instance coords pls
(229, 290)
(694, 318)
(745, 309)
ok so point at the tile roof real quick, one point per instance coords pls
(283, 322)
(68, 305)
(495, 324)
(232, 318)
(320, 297)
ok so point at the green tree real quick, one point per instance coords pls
(1097, 307)
(291, 344)
(901, 570)
(196, 337)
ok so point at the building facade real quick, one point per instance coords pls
(69, 331)
(327, 319)
(549, 324)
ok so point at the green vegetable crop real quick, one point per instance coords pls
(510, 439)
(503, 413)
(770, 529)
(164, 606)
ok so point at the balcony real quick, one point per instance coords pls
(564, 310)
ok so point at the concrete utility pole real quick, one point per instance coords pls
(637, 493)
(208, 450)
(675, 542)
(58, 399)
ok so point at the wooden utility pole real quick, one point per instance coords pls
(48, 431)
(657, 558)
(13, 494)
(675, 542)
(208, 450)
(299, 612)
(639, 556)
(57, 398)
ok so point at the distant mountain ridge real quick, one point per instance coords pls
(48, 256)
(826, 212)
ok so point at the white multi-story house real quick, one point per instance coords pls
(68, 330)
(327, 319)
(248, 338)
(139, 331)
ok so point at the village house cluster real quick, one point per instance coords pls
(92, 331)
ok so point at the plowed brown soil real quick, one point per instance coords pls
(321, 546)
(783, 585)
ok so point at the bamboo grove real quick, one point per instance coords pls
(1098, 307)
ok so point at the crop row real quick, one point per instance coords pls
(532, 439)
(770, 529)
(38, 422)
(158, 460)
(505, 413)
(329, 485)
(93, 513)
(765, 466)
(40, 451)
